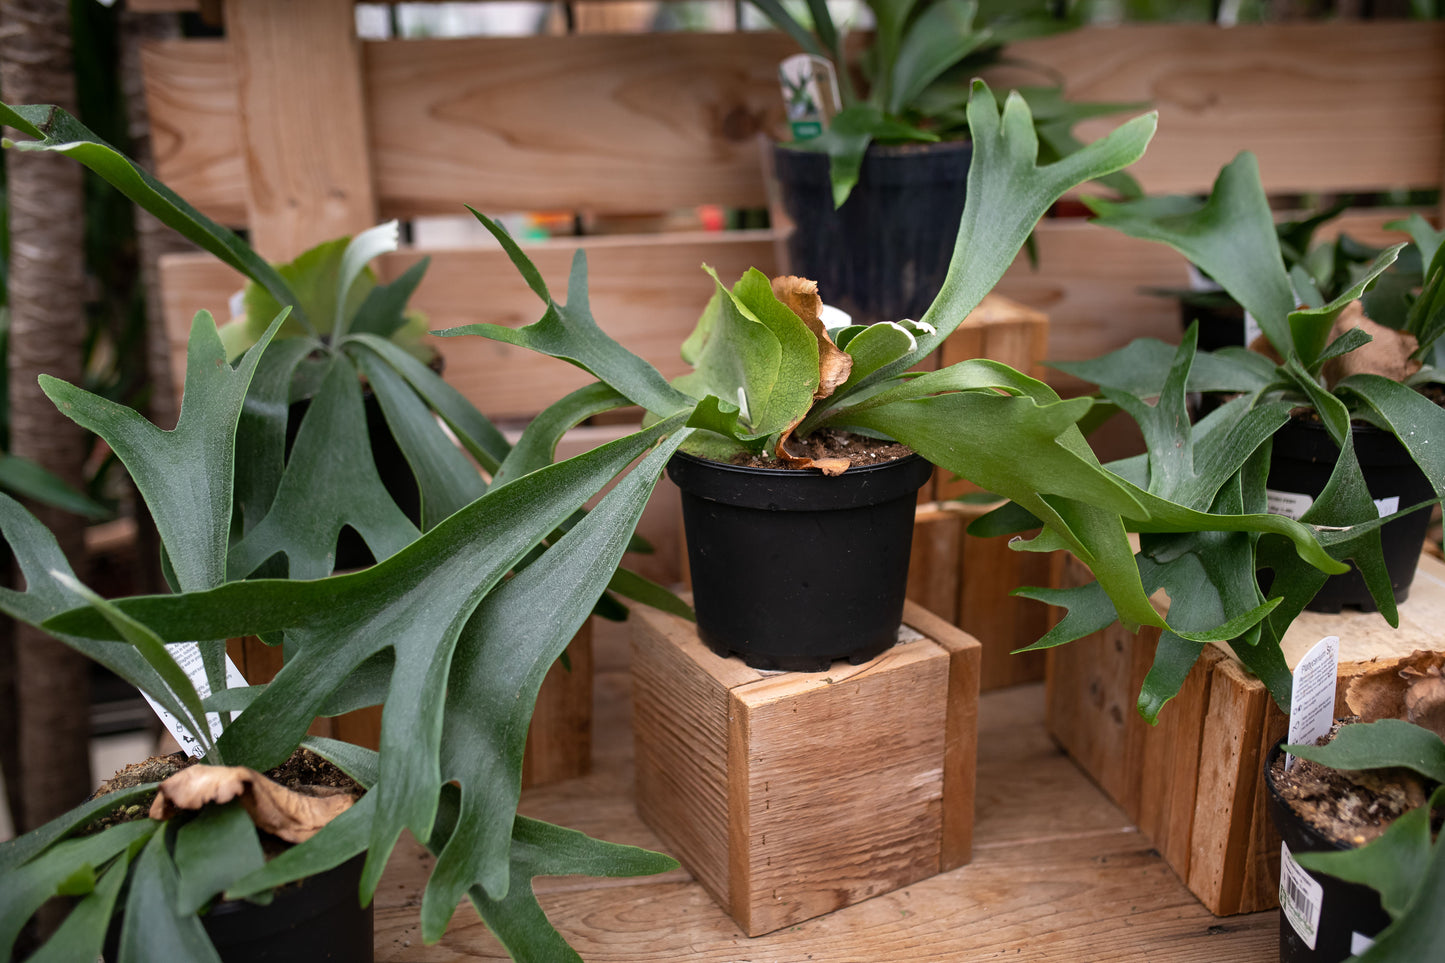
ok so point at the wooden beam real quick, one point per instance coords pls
(302, 125)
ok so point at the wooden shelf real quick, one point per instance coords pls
(1058, 873)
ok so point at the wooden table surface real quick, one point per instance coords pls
(1058, 873)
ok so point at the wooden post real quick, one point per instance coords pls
(303, 124)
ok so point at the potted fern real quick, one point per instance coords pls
(1315, 381)
(875, 195)
(437, 612)
(767, 378)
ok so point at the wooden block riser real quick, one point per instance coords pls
(792, 795)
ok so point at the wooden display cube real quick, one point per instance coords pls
(1193, 783)
(790, 795)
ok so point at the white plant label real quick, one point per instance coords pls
(1288, 504)
(1252, 329)
(1293, 505)
(1299, 897)
(1312, 706)
(188, 657)
(1359, 943)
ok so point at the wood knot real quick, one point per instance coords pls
(740, 124)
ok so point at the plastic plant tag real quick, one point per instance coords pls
(1293, 504)
(188, 657)
(1359, 943)
(1299, 897)
(1312, 706)
(810, 94)
(1288, 504)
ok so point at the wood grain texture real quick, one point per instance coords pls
(559, 741)
(646, 292)
(840, 781)
(933, 560)
(578, 123)
(308, 172)
(1284, 91)
(1058, 877)
(681, 728)
(989, 571)
(1228, 779)
(961, 733)
(828, 788)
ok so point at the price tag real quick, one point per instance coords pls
(1312, 704)
(188, 657)
(1299, 897)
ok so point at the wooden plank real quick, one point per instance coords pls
(989, 571)
(559, 740)
(577, 122)
(1169, 766)
(840, 782)
(961, 733)
(646, 292)
(300, 190)
(1228, 779)
(190, 89)
(1284, 91)
(681, 723)
(552, 122)
(933, 561)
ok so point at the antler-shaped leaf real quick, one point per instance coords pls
(416, 602)
(569, 332)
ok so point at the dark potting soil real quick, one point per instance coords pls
(831, 443)
(1352, 808)
(304, 772)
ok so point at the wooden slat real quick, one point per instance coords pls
(298, 70)
(933, 561)
(190, 88)
(607, 123)
(559, 740)
(1337, 106)
(646, 292)
(652, 122)
(961, 734)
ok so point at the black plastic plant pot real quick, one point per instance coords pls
(1301, 461)
(1220, 317)
(793, 569)
(316, 918)
(1345, 915)
(883, 255)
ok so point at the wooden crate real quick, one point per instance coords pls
(966, 580)
(790, 795)
(1193, 782)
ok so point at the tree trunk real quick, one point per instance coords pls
(47, 325)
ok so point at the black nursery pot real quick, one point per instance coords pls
(316, 918)
(793, 569)
(883, 255)
(1347, 911)
(1301, 461)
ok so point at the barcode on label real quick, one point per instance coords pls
(1299, 897)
